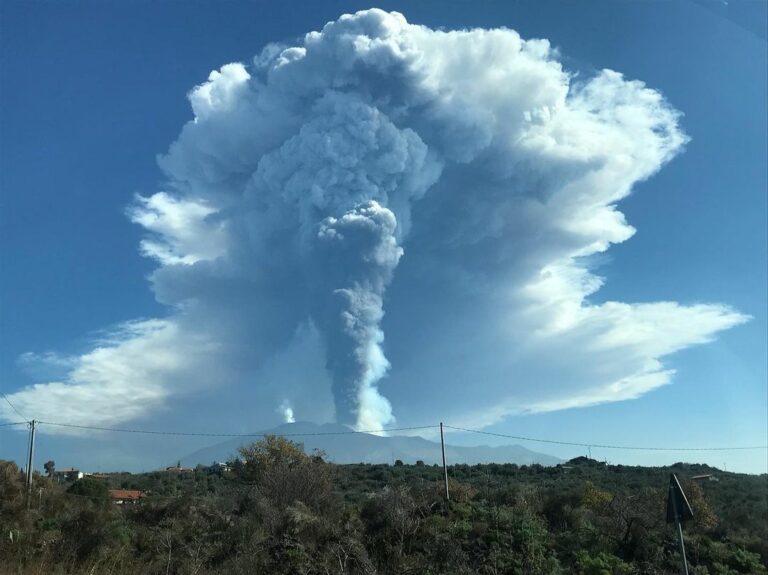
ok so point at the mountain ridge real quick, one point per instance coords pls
(341, 446)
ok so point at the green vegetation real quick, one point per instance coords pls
(280, 511)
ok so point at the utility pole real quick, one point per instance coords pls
(445, 468)
(30, 457)
(29, 444)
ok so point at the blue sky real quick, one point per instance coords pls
(92, 92)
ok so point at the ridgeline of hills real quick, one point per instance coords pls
(342, 447)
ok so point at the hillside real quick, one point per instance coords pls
(281, 512)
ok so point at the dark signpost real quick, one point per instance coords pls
(678, 511)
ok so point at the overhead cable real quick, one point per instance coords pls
(597, 445)
(13, 407)
(195, 434)
(391, 429)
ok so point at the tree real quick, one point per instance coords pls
(284, 474)
(11, 488)
(50, 467)
(94, 489)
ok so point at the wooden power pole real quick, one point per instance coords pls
(30, 457)
(445, 468)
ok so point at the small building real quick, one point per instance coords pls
(125, 496)
(178, 469)
(220, 468)
(67, 475)
(705, 477)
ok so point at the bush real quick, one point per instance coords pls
(601, 564)
(94, 489)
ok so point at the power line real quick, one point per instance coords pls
(13, 407)
(14, 423)
(627, 447)
(193, 434)
(413, 428)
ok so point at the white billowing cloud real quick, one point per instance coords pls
(388, 221)
(131, 370)
(181, 230)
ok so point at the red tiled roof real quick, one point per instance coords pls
(126, 494)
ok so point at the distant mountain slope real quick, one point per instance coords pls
(367, 448)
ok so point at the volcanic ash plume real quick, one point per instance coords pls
(459, 180)
(362, 246)
(333, 200)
